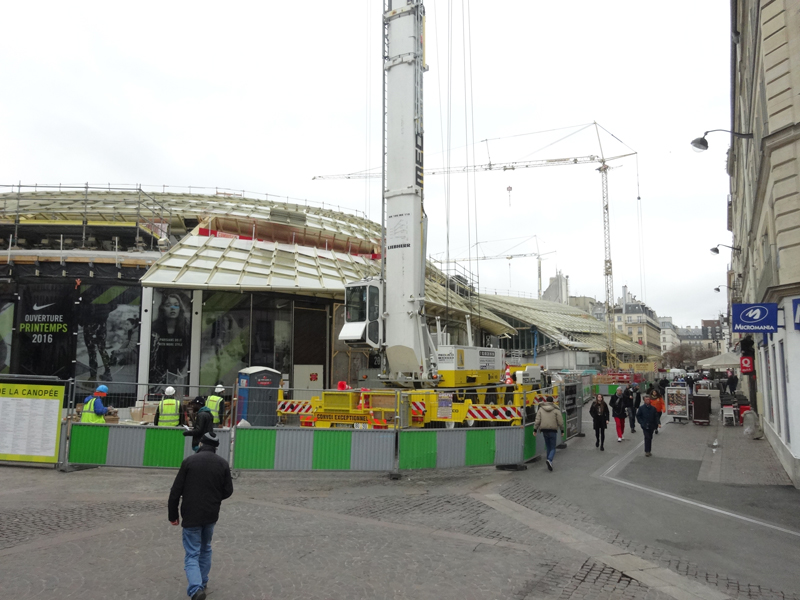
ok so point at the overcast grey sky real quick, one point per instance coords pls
(263, 96)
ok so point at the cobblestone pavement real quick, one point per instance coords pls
(462, 534)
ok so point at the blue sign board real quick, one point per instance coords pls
(755, 318)
(796, 312)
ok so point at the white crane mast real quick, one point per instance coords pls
(408, 348)
(389, 315)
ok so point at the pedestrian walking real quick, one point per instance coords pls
(733, 381)
(600, 417)
(203, 422)
(663, 385)
(202, 483)
(620, 413)
(93, 409)
(549, 422)
(635, 401)
(658, 403)
(168, 413)
(648, 421)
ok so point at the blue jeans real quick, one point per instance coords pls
(550, 441)
(197, 562)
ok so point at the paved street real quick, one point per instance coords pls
(694, 521)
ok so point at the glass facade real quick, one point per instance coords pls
(225, 336)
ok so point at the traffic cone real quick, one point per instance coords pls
(509, 379)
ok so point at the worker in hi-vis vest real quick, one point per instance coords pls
(168, 413)
(93, 409)
(216, 404)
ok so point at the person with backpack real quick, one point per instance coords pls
(203, 422)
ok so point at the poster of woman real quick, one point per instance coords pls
(170, 337)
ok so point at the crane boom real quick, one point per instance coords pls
(509, 166)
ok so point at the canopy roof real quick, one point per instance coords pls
(728, 360)
(227, 263)
(569, 326)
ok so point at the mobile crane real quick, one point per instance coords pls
(449, 384)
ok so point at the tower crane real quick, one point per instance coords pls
(509, 257)
(611, 341)
(509, 166)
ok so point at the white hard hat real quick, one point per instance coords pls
(219, 389)
(170, 391)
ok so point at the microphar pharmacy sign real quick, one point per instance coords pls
(755, 318)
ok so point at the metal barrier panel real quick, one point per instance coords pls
(254, 448)
(164, 447)
(480, 447)
(508, 443)
(451, 448)
(125, 446)
(372, 450)
(224, 449)
(417, 449)
(88, 444)
(294, 449)
(332, 449)
(530, 442)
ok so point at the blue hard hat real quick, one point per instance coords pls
(102, 388)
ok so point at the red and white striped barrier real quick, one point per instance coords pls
(294, 407)
(485, 412)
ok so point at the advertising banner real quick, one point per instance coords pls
(30, 429)
(677, 402)
(755, 318)
(45, 330)
(108, 334)
(170, 337)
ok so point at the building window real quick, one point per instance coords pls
(619, 317)
(628, 319)
(619, 327)
(639, 319)
(640, 331)
(630, 330)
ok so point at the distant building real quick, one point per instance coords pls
(669, 336)
(640, 322)
(558, 289)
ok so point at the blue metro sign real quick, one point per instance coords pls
(755, 318)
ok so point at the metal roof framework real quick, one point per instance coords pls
(231, 264)
(571, 327)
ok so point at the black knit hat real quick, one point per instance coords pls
(210, 439)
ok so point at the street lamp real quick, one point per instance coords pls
(716, 289)
(715, 249)
(700, 144)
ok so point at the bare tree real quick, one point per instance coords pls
(686, 355)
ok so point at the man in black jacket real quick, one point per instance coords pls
(636, 400)
(647, 415)
(203, 422)
(203, 481)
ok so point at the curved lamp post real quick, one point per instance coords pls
(717, 289)
(700, 144)
(715, 249)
